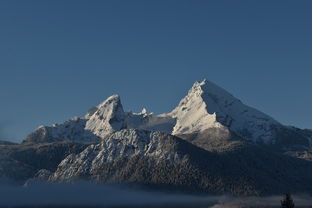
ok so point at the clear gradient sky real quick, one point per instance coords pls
(59, 58)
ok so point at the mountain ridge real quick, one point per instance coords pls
(205, 106)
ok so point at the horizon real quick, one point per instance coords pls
(62, 58)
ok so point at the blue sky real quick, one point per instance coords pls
(59, 58)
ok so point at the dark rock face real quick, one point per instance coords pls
(293, 138)
(13, 170)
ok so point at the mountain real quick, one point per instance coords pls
(206, 108)
(209, 106)
(210, 143)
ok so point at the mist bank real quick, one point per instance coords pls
(85, 194)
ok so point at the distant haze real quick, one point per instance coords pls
(60, 58)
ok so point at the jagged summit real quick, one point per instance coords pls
(192, 114)
(207, 86)
(111, 99)
(108, 117)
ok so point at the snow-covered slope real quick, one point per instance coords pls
(150, 121)
(70, 130)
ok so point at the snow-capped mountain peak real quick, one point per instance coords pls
(208, 106)
(192, 112)
(108, 117)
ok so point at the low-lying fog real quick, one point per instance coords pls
(85, 194)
